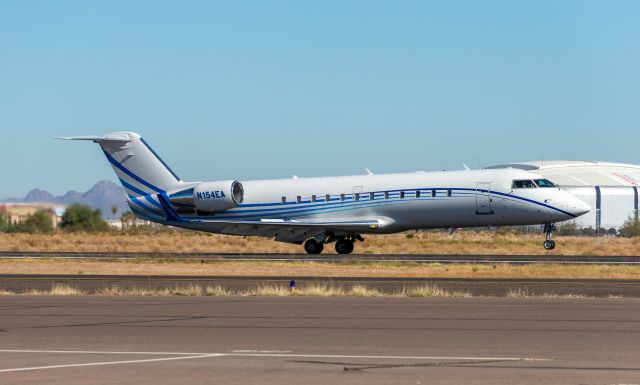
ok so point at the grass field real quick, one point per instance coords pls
(149, 267)
(462, 242)
(408, 243)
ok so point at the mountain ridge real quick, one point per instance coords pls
(103, 195)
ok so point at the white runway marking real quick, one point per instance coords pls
(105, 363)
(261, 351)
(235, 353)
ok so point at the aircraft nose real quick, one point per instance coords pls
(577, 207)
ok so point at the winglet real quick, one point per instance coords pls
(368, 171)
(466, 168)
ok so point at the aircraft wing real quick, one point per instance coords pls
(295, 231)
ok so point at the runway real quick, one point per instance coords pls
(475, 286)
(414, 258)
(240, 340)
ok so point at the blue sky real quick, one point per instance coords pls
(268, 89)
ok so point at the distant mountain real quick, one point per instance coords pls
(37, 195)
(103, 195)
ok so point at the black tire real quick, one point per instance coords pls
(344, 246)
(549, 244)
(311, 246)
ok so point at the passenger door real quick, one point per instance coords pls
(357, 194)
(483, 199)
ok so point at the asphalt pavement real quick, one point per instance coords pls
(303, 340)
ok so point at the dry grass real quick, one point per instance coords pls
(56, 289)
(525, 293)
(432, 291)
(150, 267)
(461, 242)
(266, 290)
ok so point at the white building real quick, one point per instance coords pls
(610, 188)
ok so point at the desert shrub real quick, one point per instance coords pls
(39, 222)
(4, 223)
(79, 217)
(568, 229)
(630, 228)
(589, 232)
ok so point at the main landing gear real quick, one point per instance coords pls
(549, 244)
(311, 246)
(344, 244)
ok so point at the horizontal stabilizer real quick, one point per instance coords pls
(101, 138)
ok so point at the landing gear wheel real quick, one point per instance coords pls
(548, 230)
(344, 246)
(549, 244)
(311, 246)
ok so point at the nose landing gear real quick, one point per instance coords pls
(549, 244)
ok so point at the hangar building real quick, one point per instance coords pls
(611, 189)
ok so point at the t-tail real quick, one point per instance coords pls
(146, 178)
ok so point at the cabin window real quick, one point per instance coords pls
(544, 183)
(433, 193)
(284, 200)
(298, 199)
(313, 198)
(523, 184)
(386, 195)
(356, 196)
(372, 196)
(341, 197)
(449, 192)
(417, 193)
(327, 198)
(401, 194)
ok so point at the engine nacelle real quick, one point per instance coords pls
(218, 196)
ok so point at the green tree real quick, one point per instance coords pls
(79, 217)
(630, 228)
(128, 220)
(4, 223)
(568, 229)
(38, 222)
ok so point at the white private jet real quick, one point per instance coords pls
(317, 211)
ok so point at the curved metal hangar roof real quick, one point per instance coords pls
(582, 172)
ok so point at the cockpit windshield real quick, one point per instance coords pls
(523, 184)
(544, 183)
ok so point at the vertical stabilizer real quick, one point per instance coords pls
(140, 170)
